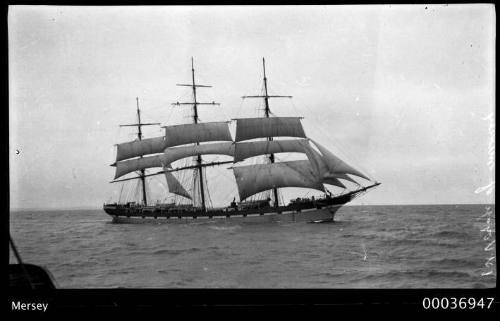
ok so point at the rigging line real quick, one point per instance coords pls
(160, 182)
(352, 159)
(182, 174)
(282, 198)
(186, 93)
(118, 134)
(150, 188)
(127, 193)
(150, 110)
(120, 195)
(273, 114)
(223, 173)
(131, 191)
(221, 109)
(226, 198)
(137, 192)
(208, 190)
(193, 185)
(323, 133)
(297, 110)
(230, 192)
(124, 199)
(183, 177)
(161, 106)
(239, 108)
(148, 195)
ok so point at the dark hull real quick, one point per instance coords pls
(322, 209)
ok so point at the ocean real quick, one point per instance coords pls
(418, 246)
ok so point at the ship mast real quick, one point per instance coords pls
(139, 125)
(267, 112)
(195, 104)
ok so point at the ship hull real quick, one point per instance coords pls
(306, 215)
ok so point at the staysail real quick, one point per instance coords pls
(319, 163)
(321, 167)
(250, 128)
(346, 177)
(253, 179)
(174, 186)
(333, 181)
(334, 164)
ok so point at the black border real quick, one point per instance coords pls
(166, 301)
(290, 300)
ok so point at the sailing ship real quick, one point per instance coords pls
(259, 185)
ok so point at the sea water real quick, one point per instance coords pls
(418, 246)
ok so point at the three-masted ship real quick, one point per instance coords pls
(258, 185)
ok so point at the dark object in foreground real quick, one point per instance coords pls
(24, 276)
(30, 276)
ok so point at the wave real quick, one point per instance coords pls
(225, 228)
(349, 235)
(175, 251)
(450, 234)
(420, 273)
(423, 242)
(330, 274)
(164, 271)
(453, 262)
(181, 251)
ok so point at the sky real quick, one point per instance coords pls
(405, 93)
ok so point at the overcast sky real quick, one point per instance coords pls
(403, 91)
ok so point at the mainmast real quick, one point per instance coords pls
(139, 125)
(195, 104)
(267, 112)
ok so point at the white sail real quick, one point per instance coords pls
(140, 147)
(335, 165)
(172, 154)
(245, 150)
(196, 133)
(346, 177)
(253, 179)
(250, 128)
(174, 186)
(132, 165)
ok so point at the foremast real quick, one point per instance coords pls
(267, 112)
(142, 175)
(195, 103)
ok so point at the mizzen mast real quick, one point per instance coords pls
(195, 103)
(267, 112)
(139, 125)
